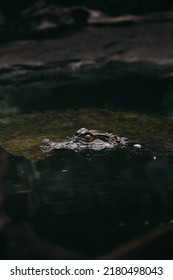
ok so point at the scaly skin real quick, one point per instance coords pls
(90, 140)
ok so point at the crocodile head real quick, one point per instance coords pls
(85, 140)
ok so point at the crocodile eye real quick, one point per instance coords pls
(88, 137)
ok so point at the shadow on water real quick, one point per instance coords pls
(86, 205)
(65, 206)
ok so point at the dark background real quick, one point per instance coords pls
(83, 68)
(11, 8)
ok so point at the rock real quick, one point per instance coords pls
(114, 54)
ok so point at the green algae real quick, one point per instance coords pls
(22, 134)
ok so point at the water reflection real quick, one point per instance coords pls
(87, 205)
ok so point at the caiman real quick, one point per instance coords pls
(96, 142)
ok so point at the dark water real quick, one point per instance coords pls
(87, 205)
(68, 206)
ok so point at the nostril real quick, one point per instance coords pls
(45, 143)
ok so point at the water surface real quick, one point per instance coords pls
(88, 205)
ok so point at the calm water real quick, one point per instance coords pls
(88, 205)
(62, 204)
